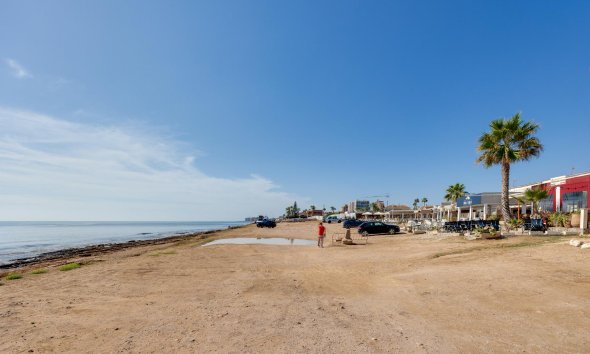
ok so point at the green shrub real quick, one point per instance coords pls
(559, 219)
(13, 276)
(515, 223)
(486, 229)
(69, 266)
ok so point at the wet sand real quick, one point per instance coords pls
(399, 293)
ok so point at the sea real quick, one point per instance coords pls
(24, 239)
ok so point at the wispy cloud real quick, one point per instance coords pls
(55, 169)
(17, 69)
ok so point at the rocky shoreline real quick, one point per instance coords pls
(100, 249)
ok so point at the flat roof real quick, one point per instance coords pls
(549, 180)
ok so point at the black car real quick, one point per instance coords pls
(266, 223)
(350, 223)
(377, 227)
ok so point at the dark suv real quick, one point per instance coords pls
(377, 227)
(266, 223)
(350, 223)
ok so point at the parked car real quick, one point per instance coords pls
(350, 223)
(332, 218)
(266, 223)
(377, 227)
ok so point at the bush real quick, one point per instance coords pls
(486, 229)
(13, 276)
(493, 217)
(39, 271)
(514, 223)
(69, 266)
(559, 219)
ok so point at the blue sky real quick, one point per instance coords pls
(225, 109)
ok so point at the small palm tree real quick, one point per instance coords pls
(508, 141)
(535, 196)
(424, 201)
(454, 192)
(333, 209)
(521, 200)
(415, 203)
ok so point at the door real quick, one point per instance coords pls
(380, 228)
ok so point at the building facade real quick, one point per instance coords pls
(473, 206)
(566, 193)
(359, 206)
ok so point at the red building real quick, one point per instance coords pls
(566, 193)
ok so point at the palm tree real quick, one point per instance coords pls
(333, 209)
(312, 207)
(424, 201)
(535, 196)
(454, 192)
(508, 141)
(521, 200)
(415, 203)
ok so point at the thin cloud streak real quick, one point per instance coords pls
(17, 69)
(55, 169)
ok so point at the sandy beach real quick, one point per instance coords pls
(397, 294)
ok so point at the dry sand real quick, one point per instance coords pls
(397, 294)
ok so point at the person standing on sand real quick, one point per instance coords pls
(321, 234)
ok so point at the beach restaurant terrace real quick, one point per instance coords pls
(476, 206)
(400, 215)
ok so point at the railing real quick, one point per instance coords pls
(469, 225)
(338, 237)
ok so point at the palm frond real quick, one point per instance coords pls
(509, 140)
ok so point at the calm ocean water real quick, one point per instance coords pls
(30, 238)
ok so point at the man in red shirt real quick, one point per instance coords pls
(321, 234)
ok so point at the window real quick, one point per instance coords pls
(546, 204)
(574, 201)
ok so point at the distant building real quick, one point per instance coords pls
(397, 207)
(311, 213)
(477, 206)
(402, 212)
(359, 206)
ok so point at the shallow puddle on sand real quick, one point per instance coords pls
(262, 241)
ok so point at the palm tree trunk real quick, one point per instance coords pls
(505, 196)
